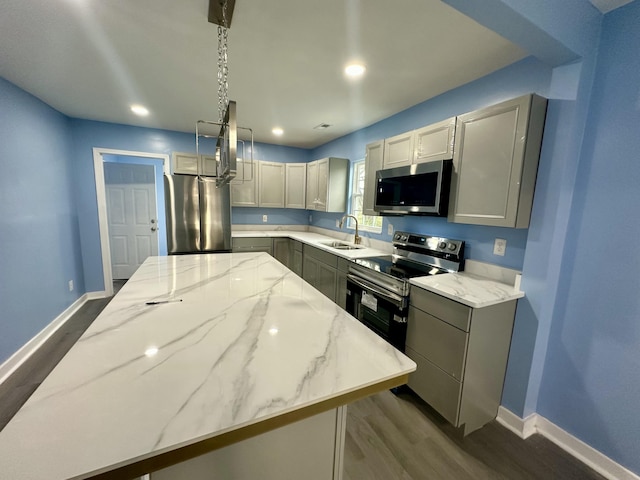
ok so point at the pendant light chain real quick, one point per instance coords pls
(223, 68)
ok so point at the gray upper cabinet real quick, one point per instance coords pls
(244, 188)
(209, 165)
(295, 185)
(327, 181)
(372, 163)
(184, 163)
(190, 164)
(426, 144)
(271, 181)
(495, 163)
(398, 150)
(312, 186)
(434, 142)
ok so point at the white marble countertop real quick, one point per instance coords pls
(469, 289)
(313, 239)
(249, 341)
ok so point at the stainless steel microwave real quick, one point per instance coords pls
(420, 189)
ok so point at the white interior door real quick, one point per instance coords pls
(132, 216)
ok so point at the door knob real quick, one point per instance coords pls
(153, 229)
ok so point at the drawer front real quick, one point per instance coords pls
(297, 245)
(451, 312)
(442, 344)
(324, 257)
(252, 245)
(435, 387)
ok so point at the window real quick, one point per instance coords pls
(365, 222)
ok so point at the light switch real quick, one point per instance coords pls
(390, 229)
(264, 218)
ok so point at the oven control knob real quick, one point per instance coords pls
(442, 245)
(451, 246)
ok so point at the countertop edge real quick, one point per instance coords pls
(432, 284)
(260, 426)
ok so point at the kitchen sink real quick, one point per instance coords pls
(341, 245)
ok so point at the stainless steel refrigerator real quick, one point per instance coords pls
(198, 215)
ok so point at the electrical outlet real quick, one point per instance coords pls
(310, 218)
(337, 223)
(500, 247)
(264, 218)
(71, 285)
(390, 229)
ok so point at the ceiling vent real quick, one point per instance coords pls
(322, 126)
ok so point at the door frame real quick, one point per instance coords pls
(101, 197)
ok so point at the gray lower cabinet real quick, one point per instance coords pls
(296, 257)
(461, 353)
(252, 244)
(319, 269)
(282, 250)
(341, 282)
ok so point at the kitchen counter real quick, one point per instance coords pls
(313, 239)
(469, 289)
(242, 342)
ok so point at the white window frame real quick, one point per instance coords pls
(366, 223)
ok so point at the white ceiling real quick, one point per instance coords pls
(91, 59)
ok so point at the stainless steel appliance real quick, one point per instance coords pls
(198, 215)
(378, 287)
(420, 189)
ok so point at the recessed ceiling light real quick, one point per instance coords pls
(354, 70)
(277, 131)
(139, 110)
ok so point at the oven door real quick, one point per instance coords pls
(382, 311)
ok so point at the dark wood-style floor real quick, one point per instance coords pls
(388, 436)
(400, 437)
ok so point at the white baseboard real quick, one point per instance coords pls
(524, 428)
(588, 455)
(29, 348)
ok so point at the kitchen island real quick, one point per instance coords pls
(232, 347)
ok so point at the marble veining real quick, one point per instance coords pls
(469, 289)
(248, 341)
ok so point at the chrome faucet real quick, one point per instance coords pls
(357, 238)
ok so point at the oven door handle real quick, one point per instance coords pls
(397, 300)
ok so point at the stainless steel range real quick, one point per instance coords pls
(378, 287)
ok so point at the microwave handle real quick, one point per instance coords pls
(389, 296)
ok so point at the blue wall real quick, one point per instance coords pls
(591, 381)
(39, 238)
